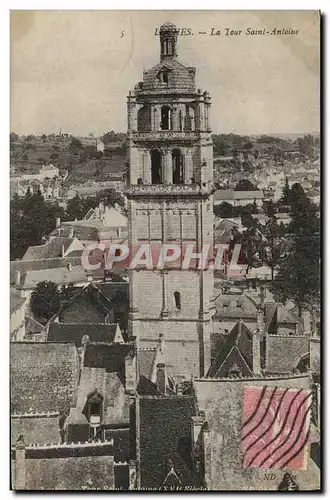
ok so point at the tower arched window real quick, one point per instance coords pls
(177, 166)
(144, 119)
(177, 300)
(166, 118)
(156, 167)
(180, 120)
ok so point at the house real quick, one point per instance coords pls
(97, 303)
(75, 275)
(19, 268)
(101, 223)
(56, 247)
(100, 145)
(229, 308)
(34, 331)
(41, 395)
(238, 198)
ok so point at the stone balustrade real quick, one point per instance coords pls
(170, 189)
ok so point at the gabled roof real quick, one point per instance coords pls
(35, 264)
(230, 194)
(60, 276)
(285, 352)
(51, 249)
(64, 332)
(236, 349)
(43, 376)
(145, 358)
(235, 306)
(109, 356)
(33, 326)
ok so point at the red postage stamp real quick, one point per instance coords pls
(275, 427)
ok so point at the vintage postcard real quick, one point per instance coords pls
(165, 250)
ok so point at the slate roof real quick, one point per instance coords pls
(165, 434)
(180, 77)
(235, 306)
(50, 250)
(237, 349)
(43, 376)
(33, 326)
(229, 194)
(276, 314)
(145, 359)
(60, 276)
(64, 332)
(35, 264)
(109, 356)
(285, 352)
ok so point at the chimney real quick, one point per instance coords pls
(20, 466)
(70, 232)
(158, 358)
(63, 251)
(69, 266)
(161, 378)
(58, 222)
(17, 277)
(130, 373)
(256, 363)
(81, 350)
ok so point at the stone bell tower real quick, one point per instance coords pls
(169, 191)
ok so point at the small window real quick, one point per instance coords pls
(177, 299)
(163, 77)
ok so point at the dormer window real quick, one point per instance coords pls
(235, 372)
(93, 411)
(163, 76)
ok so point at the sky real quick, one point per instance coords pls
(72, 70)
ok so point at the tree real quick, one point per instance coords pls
(75, 144)
(224, 210)
(245, 185)
(45, 300)
(273, 242)
(286, 193)
(299, 271)
(31, 218)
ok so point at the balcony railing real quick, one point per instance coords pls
(167, 134)
(205, 189)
